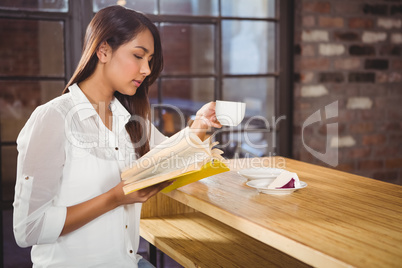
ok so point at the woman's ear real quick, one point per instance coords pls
(103, 52)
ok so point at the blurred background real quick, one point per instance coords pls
(287, 60)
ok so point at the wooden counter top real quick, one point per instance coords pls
(338, 220)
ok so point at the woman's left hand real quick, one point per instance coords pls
(205, 119)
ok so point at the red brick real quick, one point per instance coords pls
(395, 139)
(308, 21)
(299, 117)
(371, 164)
(362, 127)
(347, 7)
(307, 77)
(360, 152)
(372, 114)
(314, 64)
(374, 139)
(395, 77)
(346, 115)
(303, 106)
(381, 77)
(394, 113)
(393, 163)
(316, 7)
(347, 64)
(331, 22)
(397, 64)
(386, 151)
(393, 126)
(361, 23)
(346, 36)
(322, 129)
(308, 50)
(315, 142)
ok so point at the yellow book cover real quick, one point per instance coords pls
(209, 169)
(183, 158)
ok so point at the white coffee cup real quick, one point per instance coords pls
(230, 113)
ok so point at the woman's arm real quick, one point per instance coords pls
(37, 220)
(41, 157)
(81, 214)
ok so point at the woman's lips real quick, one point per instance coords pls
(137, 83)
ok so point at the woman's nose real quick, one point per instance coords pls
(145, 69)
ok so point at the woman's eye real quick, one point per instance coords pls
(138, 57)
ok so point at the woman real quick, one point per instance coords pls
(69, 203)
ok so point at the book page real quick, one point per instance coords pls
(198, 172)
(181, 162)
(172, 154)
(183, 157)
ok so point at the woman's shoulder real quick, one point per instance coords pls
(52, 110)
(61, 105)
(49, 116)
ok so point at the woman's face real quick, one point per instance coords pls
(129, 64)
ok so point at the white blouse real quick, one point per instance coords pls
(67, 156)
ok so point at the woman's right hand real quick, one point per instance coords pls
(139, 196)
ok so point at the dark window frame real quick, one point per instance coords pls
(284, 66)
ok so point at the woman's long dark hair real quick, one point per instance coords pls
(118, 25)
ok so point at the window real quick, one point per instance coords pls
(33, 66)
(220, 49)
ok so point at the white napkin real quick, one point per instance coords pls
(284, 178)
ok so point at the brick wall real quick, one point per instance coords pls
(350, 51)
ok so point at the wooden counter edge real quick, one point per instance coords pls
(292, 248)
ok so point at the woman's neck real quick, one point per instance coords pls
(97, 93)
(100, 97)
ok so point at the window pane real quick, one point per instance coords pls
(257, 93)
(197, 91)
(248, 47)
(9, 171)
(18, 99)
(188, 48)
(190, 7)
(182, 98)
(31, 48)
(36, 5)
(247, 144)
(145, 6)
(248, 8)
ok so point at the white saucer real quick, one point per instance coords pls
(262, 187)
(260, 173)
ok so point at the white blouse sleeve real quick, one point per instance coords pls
(41, 157)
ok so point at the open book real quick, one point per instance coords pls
(183, 158)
